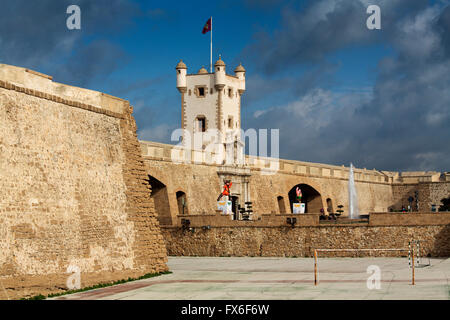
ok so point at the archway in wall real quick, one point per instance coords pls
(182, 203)
(234, 206)
(310, 196)
(161, 201)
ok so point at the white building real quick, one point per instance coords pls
(211, 106)
(211, 118)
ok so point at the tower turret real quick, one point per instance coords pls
(181, 76)
(219, 68)
(240, 73)
(202, 71)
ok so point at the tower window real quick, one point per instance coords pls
(230, 92)
(201, 124)
(230, 122)
(200, 91)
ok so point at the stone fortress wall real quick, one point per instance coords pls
(195, 173)
(73, 188)
(281, 240)
(211, 234)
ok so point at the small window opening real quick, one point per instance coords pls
(281, 207)
(201, 124)
(230, 123)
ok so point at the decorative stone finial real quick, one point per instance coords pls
(239, 68)
(181, 65)
(202, 70)
(219, 62)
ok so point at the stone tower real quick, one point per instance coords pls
(211, 105)
(211, 119)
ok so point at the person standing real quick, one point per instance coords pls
(298, 191)
(226, 190)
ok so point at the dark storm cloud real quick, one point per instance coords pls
(402, 124)
(323, 27)
(442, 26)
(125, 88)
(33, 34)
(94, 61)
(30, 31)
(287, 85)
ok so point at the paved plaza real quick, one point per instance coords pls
(243, 278)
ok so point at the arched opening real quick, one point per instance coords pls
(330, 206)
(160, 200)
(182, 203)
(234, 204)
(310, 196)
(281, 206)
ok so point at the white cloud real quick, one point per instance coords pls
(160, 133)
(416, 37)
(318, 108)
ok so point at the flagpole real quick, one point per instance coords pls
(210, 66)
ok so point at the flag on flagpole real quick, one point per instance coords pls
(207, 26)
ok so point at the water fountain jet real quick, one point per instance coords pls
(352, 196)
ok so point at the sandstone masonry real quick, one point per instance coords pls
(73, 188)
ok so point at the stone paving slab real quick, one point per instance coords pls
(243, 278)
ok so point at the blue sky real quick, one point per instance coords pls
(337, 91)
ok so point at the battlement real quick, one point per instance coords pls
(168, 152)
(39, 84)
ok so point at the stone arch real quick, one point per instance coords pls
(182, 203)
(281, 206)
(160, 200)
(311, 197)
